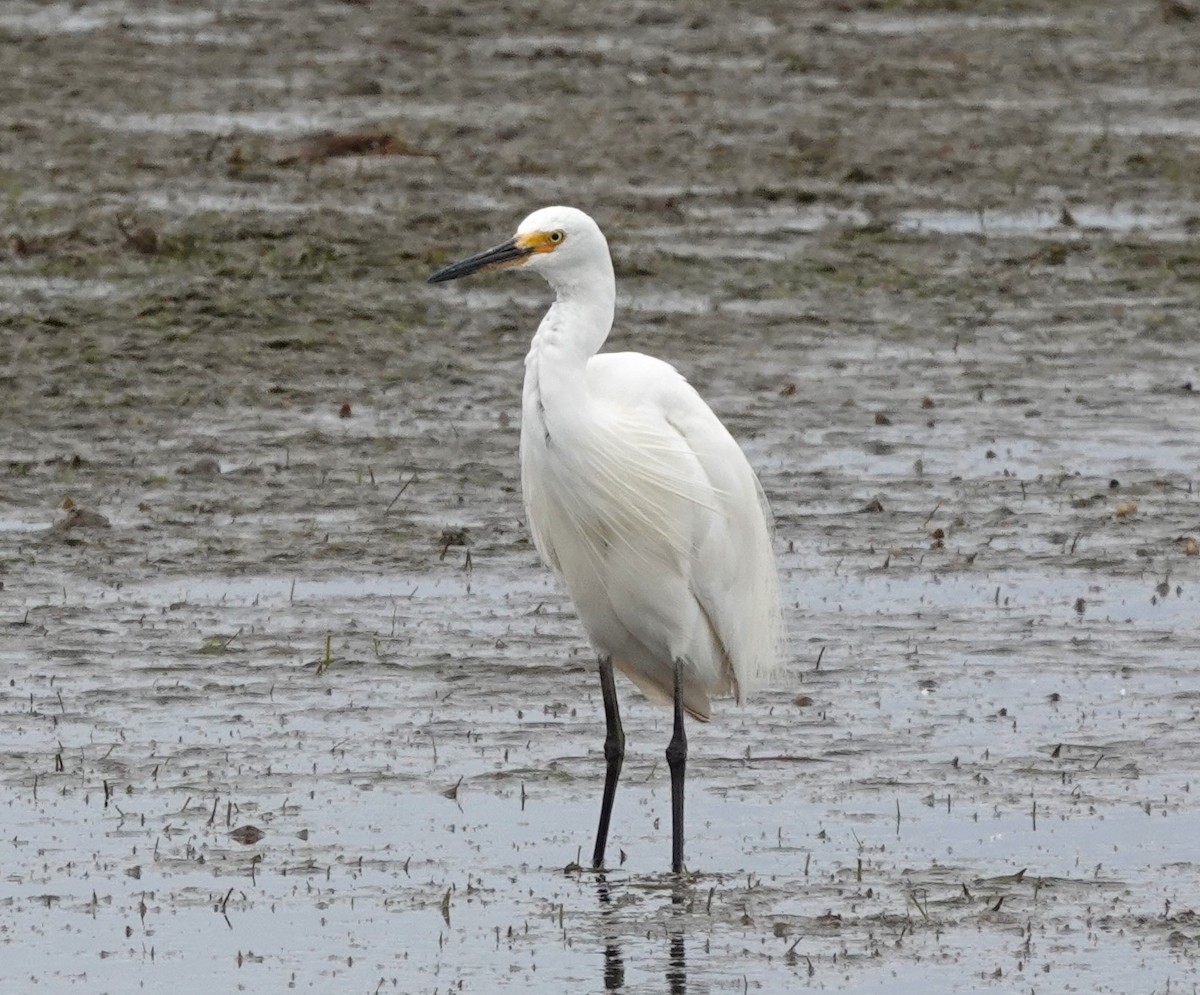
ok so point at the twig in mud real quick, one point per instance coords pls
(911, 896)
(399, 492)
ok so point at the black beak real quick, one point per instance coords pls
(504, 254)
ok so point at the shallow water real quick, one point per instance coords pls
(1083, 217)
(846, 229)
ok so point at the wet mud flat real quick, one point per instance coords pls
(301, 710)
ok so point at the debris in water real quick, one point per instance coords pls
(335, 146)
(143, 239)
(247, 835)
(79, 518)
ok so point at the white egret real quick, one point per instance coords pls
(641, 501)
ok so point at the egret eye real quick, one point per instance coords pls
(557, 236)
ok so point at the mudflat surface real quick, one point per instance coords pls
(304, 712)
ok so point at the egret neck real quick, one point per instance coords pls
(570, 334)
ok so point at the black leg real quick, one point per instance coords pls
(677, 761)
(614, 756)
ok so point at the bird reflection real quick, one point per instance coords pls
(614, 963)
(677, 962)
(614, 966)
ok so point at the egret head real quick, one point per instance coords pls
(555, 241)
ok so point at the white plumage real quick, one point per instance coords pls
(636, 494)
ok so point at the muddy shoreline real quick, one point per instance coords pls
(932, 260)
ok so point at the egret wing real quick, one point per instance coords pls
(733, 570)
(689, 482)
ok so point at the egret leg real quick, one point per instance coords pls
(614, 756)
(677, 761)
